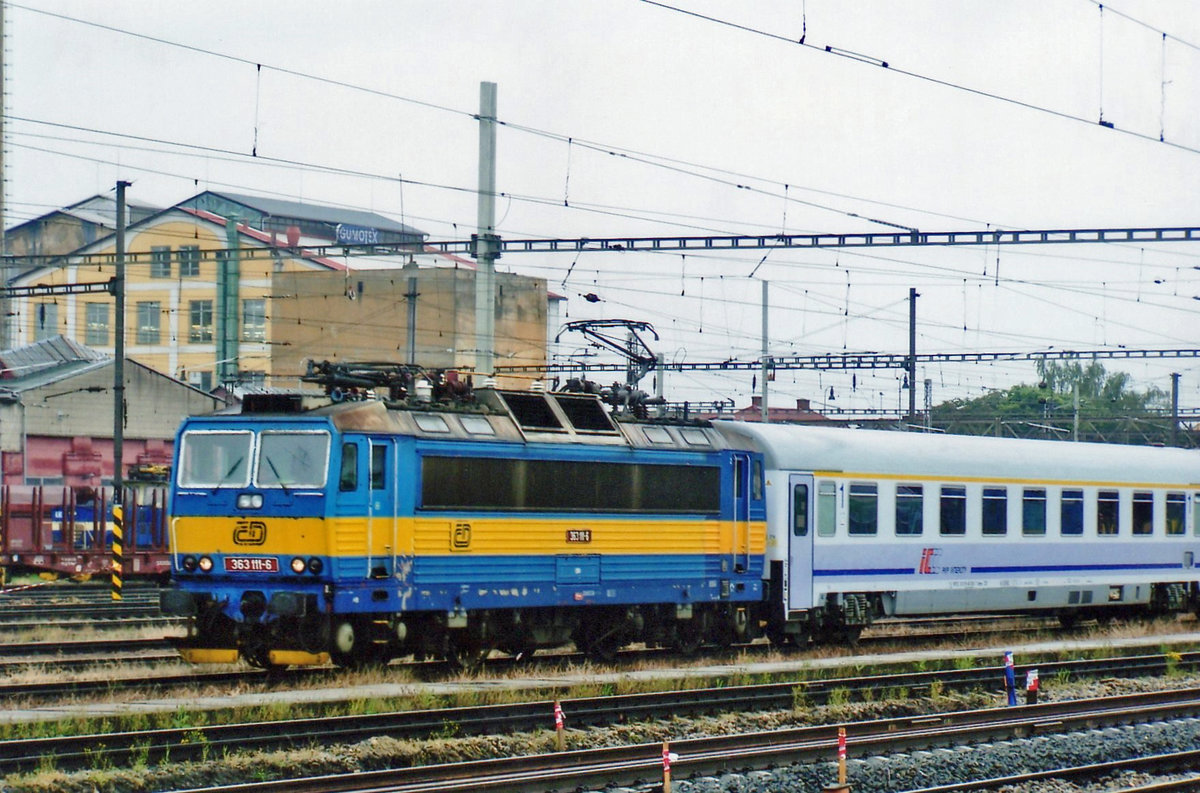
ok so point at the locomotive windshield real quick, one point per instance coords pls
(215, 459)
(292, 459)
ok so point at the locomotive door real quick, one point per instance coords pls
(352, 526)
(741, 512)
(800, 529)
(381, 508)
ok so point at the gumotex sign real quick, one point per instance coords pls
(357, 235)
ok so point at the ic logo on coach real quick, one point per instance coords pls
(250, 532)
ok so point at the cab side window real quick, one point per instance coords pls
(378, 467)
(348, 480)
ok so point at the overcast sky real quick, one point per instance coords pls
(624, 117)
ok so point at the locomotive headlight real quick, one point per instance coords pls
(315, 566)
(298, 565)
(206, 564)
(189, 563)
(250, 501)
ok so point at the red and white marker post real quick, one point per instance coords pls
(668, 757)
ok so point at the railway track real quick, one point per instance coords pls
(639, 764)
(195, 743)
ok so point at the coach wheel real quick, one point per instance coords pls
(1068, 621)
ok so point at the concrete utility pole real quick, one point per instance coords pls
(119, 349)
(228, 289)
(487, 243)
(7, 337)
(411, 297)
(912, 355)
(1174, 408)
(766, 413)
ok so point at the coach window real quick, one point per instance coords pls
(864, 508)
(910, 510)
(1108, 504)
(1176, 513)
(348, 479)
(1143, 513)
(826, 509)
(1071, 513)
(800, 510)
(756, 480)
(1033, 512)
(953, 511)
(1196, 514)
(994, 519)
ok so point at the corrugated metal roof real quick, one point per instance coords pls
(53, 374)
(47, 361)
(48, 353)
(321, 214)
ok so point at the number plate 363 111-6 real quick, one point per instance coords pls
(251, 564)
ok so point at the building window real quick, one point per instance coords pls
(254, 320)
(200, 318)
(96, 318)
(995, 511)
(1143, 513)
(1072, 513)
(1108, 508)
(909, 510)
(252, 377)
(160, 261)
(1033, 512)
(864, 508)
(45, 321)
(201, 380)
(149, 317)
(189, 261)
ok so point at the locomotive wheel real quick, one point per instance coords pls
(465, 655)
(603, 649)
(351, 646)
(256, 652)
(688, 637)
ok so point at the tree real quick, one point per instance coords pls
(1110, 408)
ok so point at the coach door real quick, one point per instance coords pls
(801, 528)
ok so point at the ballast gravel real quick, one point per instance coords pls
(986, 761)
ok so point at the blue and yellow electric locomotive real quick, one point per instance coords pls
(363, 530)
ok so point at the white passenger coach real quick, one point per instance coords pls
(868, 523)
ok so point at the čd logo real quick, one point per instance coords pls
(250, 532)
